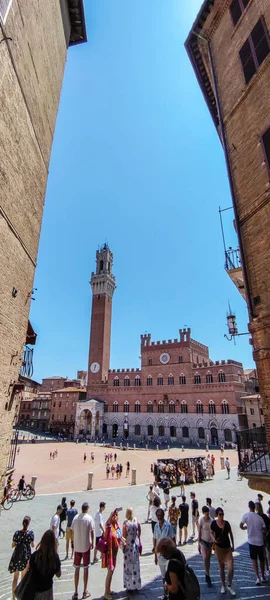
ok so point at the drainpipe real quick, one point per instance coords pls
(228, 166)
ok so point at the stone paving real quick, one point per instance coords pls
(232, 494)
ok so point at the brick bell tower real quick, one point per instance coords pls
(103, 286)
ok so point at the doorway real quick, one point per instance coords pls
(115, 430)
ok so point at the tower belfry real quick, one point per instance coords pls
(103, 286)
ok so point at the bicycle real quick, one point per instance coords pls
(28, 493)
(7, 500)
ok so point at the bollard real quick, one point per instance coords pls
(127, 446)
(121, 446)
(134, 446)
(33, 481)
(90, 481)
(168, 448)
(183, 449)
(114, 444)
(222, 462)
(157, 447)
(206, 448)
(133, 476)
(146, 446)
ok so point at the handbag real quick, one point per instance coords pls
(26, 588)
(101, 546)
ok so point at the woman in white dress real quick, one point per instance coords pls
(132, 534)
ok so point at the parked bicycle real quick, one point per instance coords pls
(28, 493)
(7, 500)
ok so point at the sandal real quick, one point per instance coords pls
(75, 596)
(86, 595)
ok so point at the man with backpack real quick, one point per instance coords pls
(180, 580)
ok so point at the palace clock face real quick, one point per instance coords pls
(95, 366)
(164, 358)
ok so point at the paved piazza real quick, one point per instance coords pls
(232, 494)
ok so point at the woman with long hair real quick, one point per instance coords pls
(132, 535)
(112, 538)
(175, 573)
(223, 541)
(22, 542)
(45, 563)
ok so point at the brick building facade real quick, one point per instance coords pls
(34, 40)
(235, 84)
(178, 392)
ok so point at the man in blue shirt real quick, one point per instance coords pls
(163, 529)
(71, 513)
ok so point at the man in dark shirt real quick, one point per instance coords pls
(21, 486)
(71, 513)
(183, 520)
(195, 512)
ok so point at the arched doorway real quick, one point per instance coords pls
(104, 429)
(115, 430)
(150, 430)
(85, 421)
(97, 423)
(126, 429)
(214, 436)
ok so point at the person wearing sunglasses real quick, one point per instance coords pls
(222, 537)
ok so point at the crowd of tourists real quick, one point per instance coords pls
(172, 523)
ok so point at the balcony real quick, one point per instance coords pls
(254, 460)
(233, 266)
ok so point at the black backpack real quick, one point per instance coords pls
(191, 589)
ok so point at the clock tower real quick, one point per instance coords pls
(103, 286)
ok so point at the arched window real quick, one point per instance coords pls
(115, 406)
(227, 435)
(126, 407)
(171, 407)
(149, 380)
(212, 407)
(161, 430)
(221, 377)
(126, 381)
(171, 379)
(185, 432)
(173, 431)
(209, 378)
(116, 382)
(160, 380)
(137, 407)
(160, 407)
(150, 407)
(101, 266)
(137, 381)
(150, 430)
(199, 407)
(197, 378)
(137, 430)
(184, 408)
(225, 407)
(182, 379)
(201, 433)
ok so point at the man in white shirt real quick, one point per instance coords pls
(228, 467)
(150, 497)
(99, 527)
(83, 536)
(55, 522)
(255, 527)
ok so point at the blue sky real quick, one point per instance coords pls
(136, 161)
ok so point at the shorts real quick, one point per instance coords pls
(195, 519)
(68, 534)
(182, 523)
(223, 554)
(256, 552)
(166, 497)
(82, 556)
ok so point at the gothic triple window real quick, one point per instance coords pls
(209, 378)
(116, 382)
(199, 407)
(184, 408)
(137, 407)
(150, 408)
(171, 408)
(160, 380)
(171, 379)
(221, 377)
(126, 382)
(115, 407)
(137, 381)
(149, 380)
(212, 407)
(197, 378)
(182, 379)
(126, 407)
(160, 407)
(225, 407)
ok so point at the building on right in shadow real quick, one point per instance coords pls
(229, 49)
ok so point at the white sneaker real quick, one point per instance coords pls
(231, 590)
(258, 581)
(223, 589)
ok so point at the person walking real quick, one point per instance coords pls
(127, 469)
(153, 513)
(55, 522)
(163, 529)
(71, 513)
(21, 486)
(156, 488)
(194, 512)
(45, 563)
(108, 469)
(84, 457)
(173, 515)
(83, 535)
(266, 537)
(255, 526)
(228, 467)
(132, 535)
(205, 542)
(212, 510)
(22, 542)
(99, 527)
(113, 537)
(150, 497)
(183, 520)
(182, 482)
(223, 540)
(175, 572)
(166, 492)
(63, 516)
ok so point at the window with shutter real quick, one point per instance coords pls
(247, 61)
(237, 7)
(255, 50)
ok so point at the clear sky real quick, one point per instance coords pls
(136, 161)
